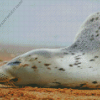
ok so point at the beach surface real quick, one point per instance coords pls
(34, 93)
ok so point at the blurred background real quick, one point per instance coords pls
(42, 23)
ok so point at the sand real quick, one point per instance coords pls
(35, 93)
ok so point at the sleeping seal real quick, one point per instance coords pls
(75, 66)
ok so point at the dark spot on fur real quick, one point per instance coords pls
(96, 56)
(70, 65)
(92, 60)
(78, 66)
(55, 67)
(47, 64)
(62, 69)
(92, 20)
(81, 85)
(97, 18)
(36, 58)
(97, 35)
(94, 82)
(34, 67)
(39, 62)
(77, 63)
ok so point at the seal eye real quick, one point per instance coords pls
(14, 63)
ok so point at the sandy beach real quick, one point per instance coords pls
(35, 93)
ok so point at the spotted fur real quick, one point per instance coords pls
(77, 66)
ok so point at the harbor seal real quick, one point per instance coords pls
(76, 66)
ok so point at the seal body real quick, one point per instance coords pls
(77, 66)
